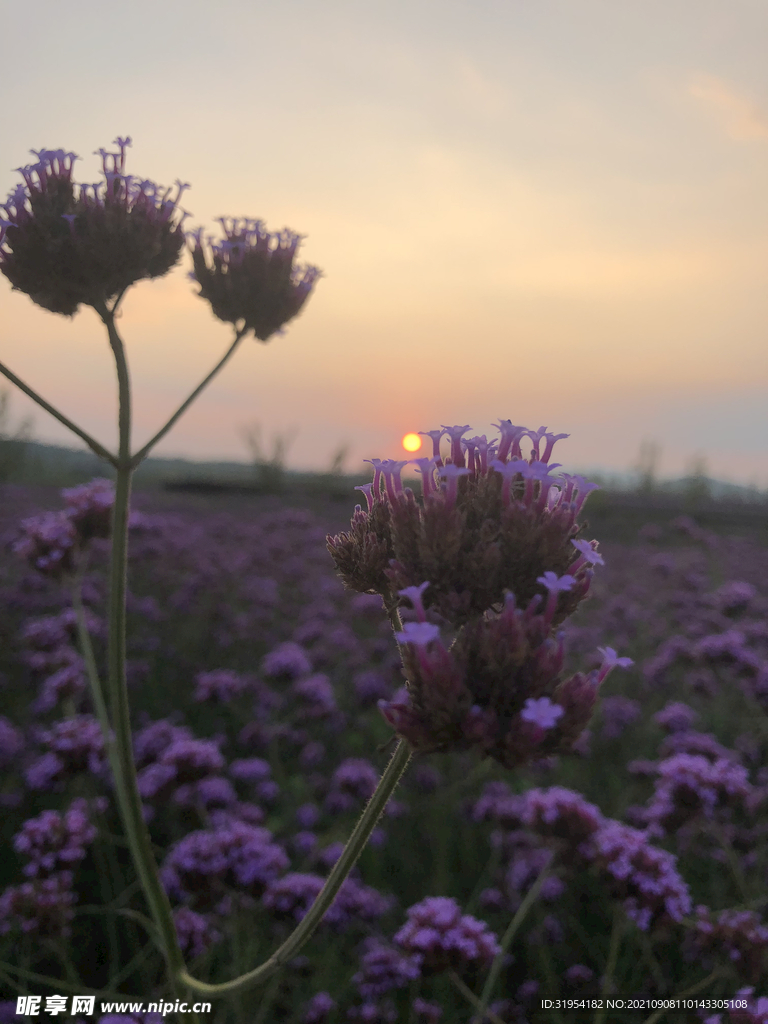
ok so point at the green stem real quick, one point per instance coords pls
(142, 453)
(267, 1002)
(125, 778)
(91, 442)
(326, 896)
(97, 692)
(57, 984)
(471, 998)
(509, 935)
(613, 955)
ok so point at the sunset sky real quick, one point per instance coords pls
(553, 212)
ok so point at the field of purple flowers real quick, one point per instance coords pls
(254, 679)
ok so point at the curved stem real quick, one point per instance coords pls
(137, 458)
(357, 841)
(125, 779)
(509, 934)
(94, 445)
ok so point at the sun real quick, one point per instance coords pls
(411, 442)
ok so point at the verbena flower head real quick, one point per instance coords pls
(482, 526)
(446, 938)
(53, 841)
(252, 277)
(492, 552)
(65, 244)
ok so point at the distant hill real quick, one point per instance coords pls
(28, 461)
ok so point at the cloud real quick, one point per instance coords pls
(741, 117)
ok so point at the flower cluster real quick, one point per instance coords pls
(740, 936)
(75, 746)
(51, 542)
(64, 249)
(445, 938)
(202, 865)
(252, 277)
(53, 840)
(690, 785)
(43, 906)
(644, 877)
(493, 554)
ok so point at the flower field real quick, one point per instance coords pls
(254, 678)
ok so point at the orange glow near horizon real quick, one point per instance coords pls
(411, 442)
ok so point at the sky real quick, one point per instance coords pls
(549, 212)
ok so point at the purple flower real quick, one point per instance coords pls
(317, 1009)
(618, 712)
(498, 804)
(303, 843)
(237, 855)
(250, 769)
(643, 875)
(252, 277)
(53, 841)
(68, 681)
(11, 742)
(63, 249)
(287, 659)
(308, 815)
(736, 936)
(451, 473)
(220, 685)
(195, 932)
(357, 777)
(75, 745)
(89, 508)
(43, 906)
(316, 694)
(383, 969)
(211, 792)
(427, 1013)
(438, 931)
(192, 758)
(560, 812)
(578, 974)
(150, 742)
(541, 712)
(675, 717)
(370, 686)
(689, 785)
(312, 754)
(48, 541)
(734, 597)
(420, 634)
(610, 660)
